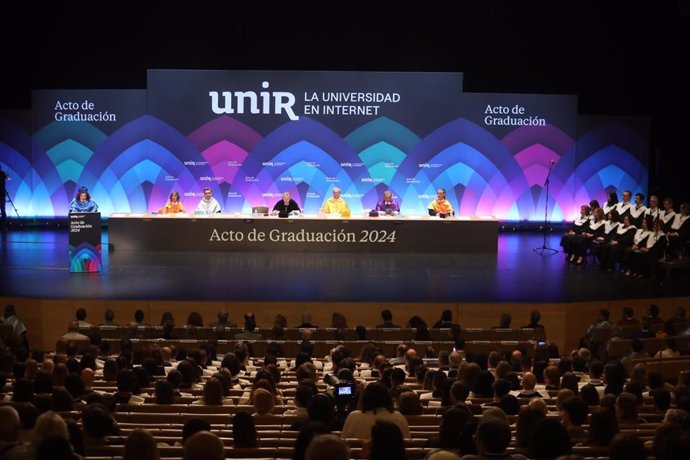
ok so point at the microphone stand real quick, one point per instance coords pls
(544, 248)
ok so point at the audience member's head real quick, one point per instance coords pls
(194, 425)
(308, 431)
(203, 445)
(213, 392)
(627, 446)
(549, 440)
(48, 424)
(627, 408)
(575, 411)
(97, 421)
(244, 430)
(608, 402)
(538, 404)
(327, 447)
(590, 394)
(453, 422)
(140, 445)
(408, 403)
(492, 437)
(679, 417)
(386, 441)
(603, 426)
(671, 442)
(264, 401)
(9, 424)
(54, 448)
(527, 418)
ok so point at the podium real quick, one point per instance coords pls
(85, 242)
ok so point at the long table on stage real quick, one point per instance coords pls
(147, 232)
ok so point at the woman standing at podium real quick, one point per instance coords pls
(83, 202)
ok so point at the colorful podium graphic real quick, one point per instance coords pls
(85, 242)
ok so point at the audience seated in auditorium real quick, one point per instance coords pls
(306, 321)
(627, 410)
(167, 318)
(549, 440)
(441, 454)
(637, 352)
(386, 442)
(338, 321)
(678, 323)
(100, 427)
(528, 416)
(492, 440)
(11, 447)
(445, 321)
(222, 320)
(109, 318)
(73, 333)
(529, 382)
(16, 325)
(652, 318)
(504, 321)
(628, 318)
(627, 446)
(671, 350)
(249, 329)
(534, 318)
(327, 447)
(573, 415)
(141, 445)
(377, 404)
(387, 318)
(601, 323)
(408, 402)
(552, 378)
(203, 445)
(81, 318)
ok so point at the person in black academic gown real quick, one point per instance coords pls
(285, 205)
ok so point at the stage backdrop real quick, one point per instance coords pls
(251, 135)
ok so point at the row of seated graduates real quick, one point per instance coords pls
(633, 241)
(288, 380)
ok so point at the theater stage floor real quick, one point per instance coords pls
(34, 264)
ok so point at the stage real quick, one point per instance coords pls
(35, 277)
(35, 264)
